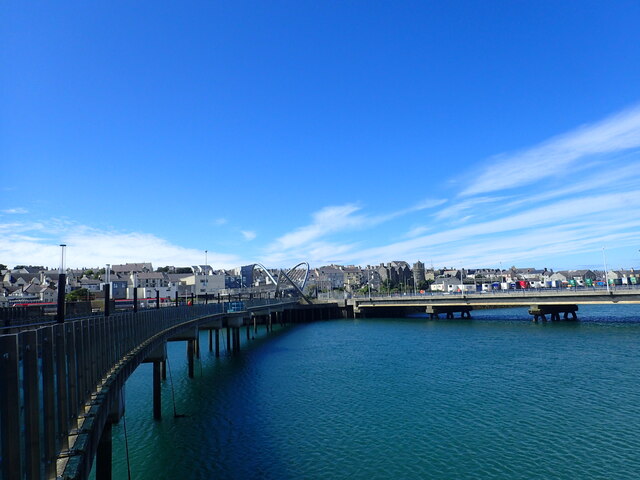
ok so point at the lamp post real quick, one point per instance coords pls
(606, 277)
(206, 277)
(369, 284)
(62, 282)
(107, 290)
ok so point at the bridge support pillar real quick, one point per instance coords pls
(540, 312)
(211, 340)
(228, 339)
(157, 390)
(104, 454)
(217, 343)
(434, 311)
(248, 332)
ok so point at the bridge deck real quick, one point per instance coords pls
(517, 299)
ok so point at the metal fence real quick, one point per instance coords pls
(49, 373)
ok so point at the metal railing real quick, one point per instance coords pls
(49, 376)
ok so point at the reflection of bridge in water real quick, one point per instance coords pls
(541, 304)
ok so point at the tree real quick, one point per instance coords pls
(387, 286)
(184, 270)
(81, 294)
(3, 266)
(163, 269)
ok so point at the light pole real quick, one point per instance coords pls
(606, 277)
(369, 285)
(206, 278)
(62, 282)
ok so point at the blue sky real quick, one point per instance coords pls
(480, 133)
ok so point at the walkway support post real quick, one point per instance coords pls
(157, 390)
(190, 355)
(104, 454)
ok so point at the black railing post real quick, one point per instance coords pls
(62, 282)
(135, 299)
(107, 299)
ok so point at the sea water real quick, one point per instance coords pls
(494, 397)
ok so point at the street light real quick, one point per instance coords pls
(62, 282)
(606, 278)
(206, 278)
(61, 268)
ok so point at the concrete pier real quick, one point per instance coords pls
(540, 312)
(435, 311)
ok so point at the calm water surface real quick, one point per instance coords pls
(495, 397)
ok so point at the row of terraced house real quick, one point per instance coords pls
(37, 284)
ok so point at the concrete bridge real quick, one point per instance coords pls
(540, 302)
(61, 384)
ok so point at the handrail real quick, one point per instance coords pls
(52, 375)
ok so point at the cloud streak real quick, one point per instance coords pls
(340, 218)
(614, 134)
(37, 243)
(15, 211)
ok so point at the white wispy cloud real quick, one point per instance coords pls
(558, 155)
(15, 211)
(457, 211)
(340, 218)
(567, 226)
(34, 243)
(326, 221)
(248, 234)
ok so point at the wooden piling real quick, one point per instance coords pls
(104, 454)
